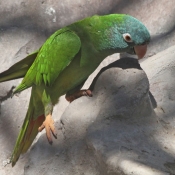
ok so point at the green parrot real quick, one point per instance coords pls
(64, 62)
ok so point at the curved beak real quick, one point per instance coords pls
(140, 50)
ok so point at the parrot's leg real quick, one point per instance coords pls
(48, 123)
(77, 93)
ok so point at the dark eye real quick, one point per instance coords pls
(127, 37)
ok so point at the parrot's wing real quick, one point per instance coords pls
(54, 56)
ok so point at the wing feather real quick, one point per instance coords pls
(53, 57)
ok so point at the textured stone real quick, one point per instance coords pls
(122, 129)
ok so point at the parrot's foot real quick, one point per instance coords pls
(78, 94)
(48, 124)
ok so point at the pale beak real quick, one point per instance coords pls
(140, 50)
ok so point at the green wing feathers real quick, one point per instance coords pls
(19, 69)
(54, 56)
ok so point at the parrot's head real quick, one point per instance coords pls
(134, 34)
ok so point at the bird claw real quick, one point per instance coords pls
(78, 94)
(48, 124)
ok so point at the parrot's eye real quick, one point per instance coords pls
(127, 37)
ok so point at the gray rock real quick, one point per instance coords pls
(160, 71)
(121, 125)
(118, 130)
(90, 125)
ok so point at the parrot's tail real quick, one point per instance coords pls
(19, 69)
(27, 133)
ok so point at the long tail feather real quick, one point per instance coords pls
(27, 133)
(19, 69)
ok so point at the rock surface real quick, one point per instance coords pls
(122, 129)
(24, 26)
